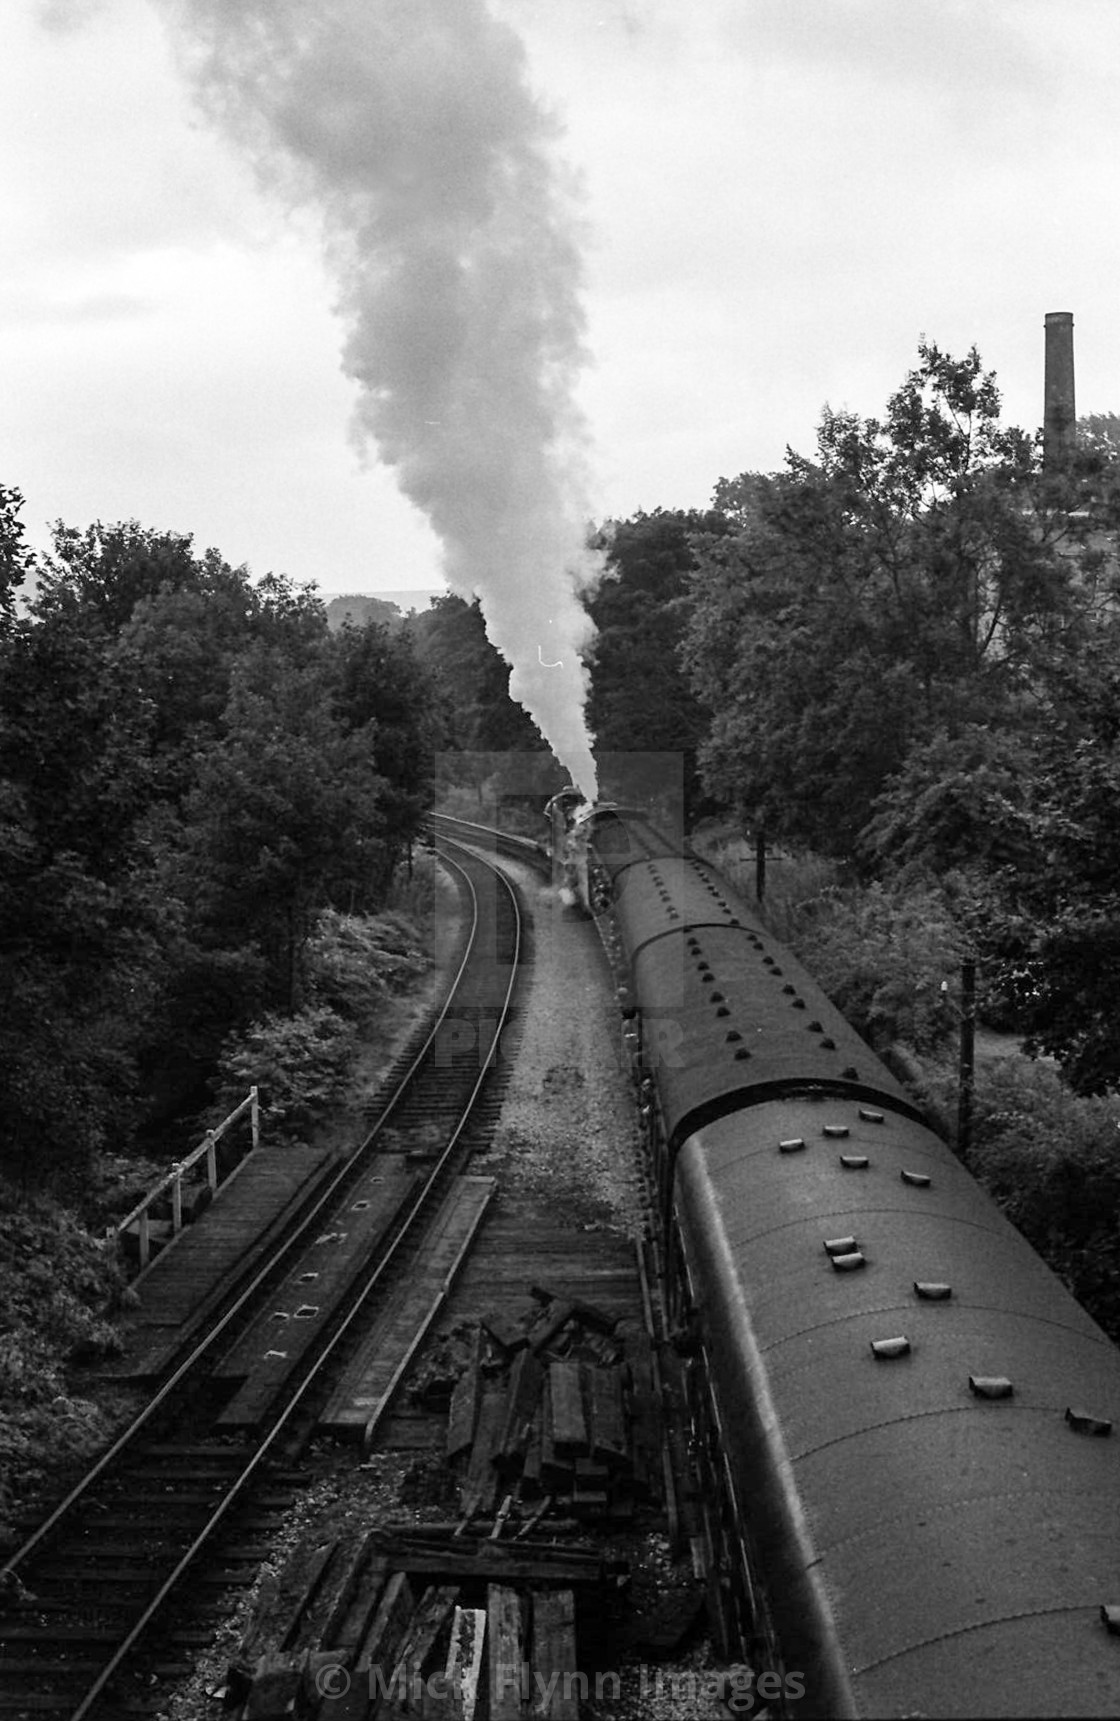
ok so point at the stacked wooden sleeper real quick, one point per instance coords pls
(568, 1412)
(416, 1620)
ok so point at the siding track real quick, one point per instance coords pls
(195, 1486)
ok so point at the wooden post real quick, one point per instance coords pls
(140, 1216)
(506, 1652)
(464, 1661)
(760, 864)
(968, 1055)
(255, 1117)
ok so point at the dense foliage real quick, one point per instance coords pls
(301, 1060)
(58, 1286)
(641, 703)
(900, 654)
(192, 768)
(894, 591)
(493, 748)
(451, 639)
(904, 655)
(1056, 920)
(1049, 1157)
(902, 661)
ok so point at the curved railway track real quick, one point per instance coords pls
(490, 840)
(87, 1598)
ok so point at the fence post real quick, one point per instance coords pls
(212, 1161)
(144, 1238)
(177, 1205)
(255, 1117)
(968, 1055)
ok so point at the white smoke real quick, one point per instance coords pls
(452, 233)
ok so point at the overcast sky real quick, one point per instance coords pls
(776, 199)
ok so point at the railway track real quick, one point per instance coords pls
(524, 849)
(90, 1619)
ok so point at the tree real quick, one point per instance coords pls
(79, 914)
(386, 694)
(1099, 433)
(358, 609)
(80, 978)
(176, 653)
(473, 677)
(72, 737)
(960, 803)
(901, 586)
(15, 557)
(105, 571)
(285, 817)
(84, 924)
(178, 798)
(641, 702)
(812, 708)
(1061, 936)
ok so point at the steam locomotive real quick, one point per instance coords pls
(913, 1413)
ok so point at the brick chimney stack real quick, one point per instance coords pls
(1059, 422)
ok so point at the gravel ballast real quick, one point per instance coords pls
(568, 1126)
(567, 1136)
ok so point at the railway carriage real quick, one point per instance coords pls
(914, 1409)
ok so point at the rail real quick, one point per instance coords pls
(353, 1307)
(357, 1307)
(492, 839)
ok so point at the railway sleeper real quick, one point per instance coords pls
(31, 1666)
(206, 1453)
(50, 1634)
(174, 1473)
(170, 1499)
(153, 1529)
(61, 1592)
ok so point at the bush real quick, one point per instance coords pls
(881, 956)
(959, 801)
(412, 896)
(354, 961)
(56, 1282)
(796, 882)
(299, 1063)
(343, 966)
(800, 891)
(731, 854)
(884, 960)
(1050, 1158)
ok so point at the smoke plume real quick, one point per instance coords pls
(452, 235)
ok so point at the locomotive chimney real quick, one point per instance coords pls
(1060, 418)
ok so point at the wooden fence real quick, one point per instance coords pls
(207, 1148)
